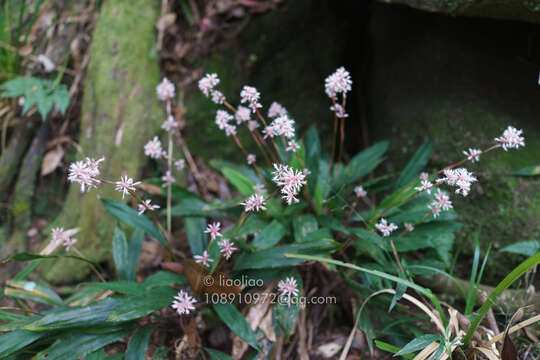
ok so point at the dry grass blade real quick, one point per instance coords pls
(515, 328)
(487, 352)
(427, 351)
(412, 299)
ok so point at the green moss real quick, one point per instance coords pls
(119, 97)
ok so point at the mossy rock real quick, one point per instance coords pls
(120, 113)
(462, 82)
(524, 10)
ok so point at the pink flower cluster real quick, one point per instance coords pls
(338, 83)
(183, 303)
(460, 178)
(64, 237)
(511, 138)
(386, 228)
(85, 173)
(287, 289)
(254, 202)
(251, 96)
(290, 180)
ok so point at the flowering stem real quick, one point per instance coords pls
(254, 134)
(396, 256)
(342, 138)
(255, 138)
(156, 222)
(246, 154)
(333, 139)
(243, 218)
(271, 138)
(465, 160)
(91, 266)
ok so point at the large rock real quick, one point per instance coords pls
(461, 82)
(525, 10)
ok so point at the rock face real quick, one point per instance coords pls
(120, 112)
(462, 81)
(524, 10)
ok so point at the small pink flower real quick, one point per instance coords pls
(283, 126)
(409, 227)
(180, 164)
(292, 146)
(254, 202)
(153, 148)
(147, 205)
(165, 90)
(276, 110)
(359, 191)
(230, 130)
(183, 303)
(511, 138)
(435, 209)
(85, 173)
(213, 230)
(168, 179)
(288, 288)
(339, 111)
(251, 159)
(426, 186)
(385, 228)
(252, 125)
(207, 83)
(222, 119)
(204, 259)
(424, 176)
(218, 97)
(170, 124)
(461, 178)
(243, 114)
(442, 201)
(473, 155)
(250, 95)
(125, 185)
(227, 248)
(338, 82)
(269, 131)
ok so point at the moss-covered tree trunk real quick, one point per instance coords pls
(120, 113)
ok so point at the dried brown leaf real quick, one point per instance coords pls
(52, 160)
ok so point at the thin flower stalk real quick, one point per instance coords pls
(255, 134)
(254, 164)
(101, 278)
(333, 138)
(342, 131)
(259, 115)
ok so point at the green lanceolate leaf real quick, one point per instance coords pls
(163, 278)
(527, 248)
(75, 345)
(416, 164)
(363, 163)
(274, 257)
(138, 344)
(303, 226)
(32, 291)
(14, 341)
(140, 306)
(269, 236)
(134, 253)
(241, 182)
(120, 253)
(132, 218)
(197, 238)
(217, 355)
(236, 322)
(418, 343)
